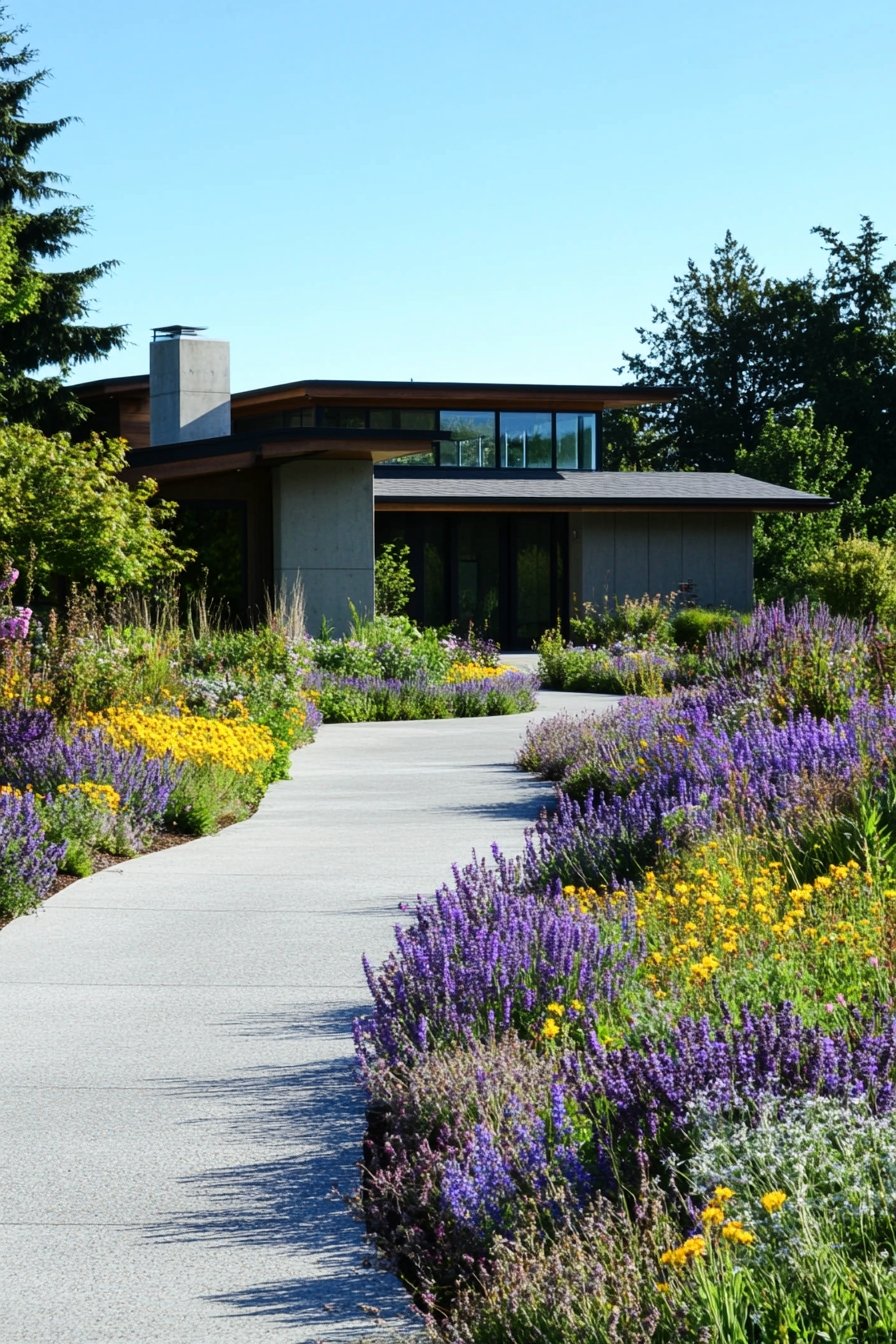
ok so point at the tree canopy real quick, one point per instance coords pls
(740, 345)
(66, 513)
(43, 313)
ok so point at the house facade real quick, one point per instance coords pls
(497, 490)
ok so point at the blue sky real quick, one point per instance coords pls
(484, 191)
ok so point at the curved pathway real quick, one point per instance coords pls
(178, 1106)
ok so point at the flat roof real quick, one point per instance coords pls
(494, 489)
(451, 396)
(429, 395)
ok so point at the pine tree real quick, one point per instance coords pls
(43, 327)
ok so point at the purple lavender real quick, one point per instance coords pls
(28, 862)
(33, 753)
(645, 1092)
(483, 957)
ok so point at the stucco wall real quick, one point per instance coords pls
(323, 535)
(628, 554)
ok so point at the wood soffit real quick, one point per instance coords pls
(447, 396)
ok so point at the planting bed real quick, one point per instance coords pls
(640, 1082)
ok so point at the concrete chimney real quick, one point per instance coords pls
(189, 386)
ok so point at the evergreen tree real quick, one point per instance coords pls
(730, 340)
(740, 345)
(851, 352)
(42, 325)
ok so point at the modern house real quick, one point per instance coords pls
(496, 488)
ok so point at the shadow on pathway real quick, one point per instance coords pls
(310, 1119)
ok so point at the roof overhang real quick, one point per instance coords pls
(491, 491)
(236, 452)
(449, 396)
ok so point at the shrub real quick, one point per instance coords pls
(207, 796)
(619, 670)
(28, 860)
(454, 1144)
(392, 580)
(813, 1184)
(643, 619)
(487, 956)
(857, 578)
(691, 625)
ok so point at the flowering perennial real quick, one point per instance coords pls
(238, 744)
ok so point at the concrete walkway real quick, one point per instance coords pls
(175, 1053)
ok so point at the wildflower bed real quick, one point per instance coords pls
(640, 1083)
(388, 669)
(113, 733)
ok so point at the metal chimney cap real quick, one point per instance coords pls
(172, 333)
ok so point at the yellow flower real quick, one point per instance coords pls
(712, 1216)
(735, 1231)
(557, 1009)
(662, 1287)
(679, 1255)
(577, 1005)
(238, 744)
(550, 1029)
(773, 1200)
(722, 1194)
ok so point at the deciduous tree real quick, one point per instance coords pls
(66, 513)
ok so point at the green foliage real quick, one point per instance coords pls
(851, 356)
(631, 671)
(257, 667)
(821, 1267)
(741, 346)
(645, 619)
(691, 625)
(787, 545)
(728, 338)
(18, 293)
(64, 506)
(389, 646)
(392, 581)
(208, 797)
(633, 442)
(42, 307)
(856, 577)
(78, 860)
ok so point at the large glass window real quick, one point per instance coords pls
(525, 438)
(576, 441)
(478, 571)
(532, 577)
(472, 442)
(216, 531)
(341, 417)
(392, 419)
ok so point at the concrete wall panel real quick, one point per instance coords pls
(698, 562)
(323, 535)
(597, 572)
(189, 390)
(734, 560)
